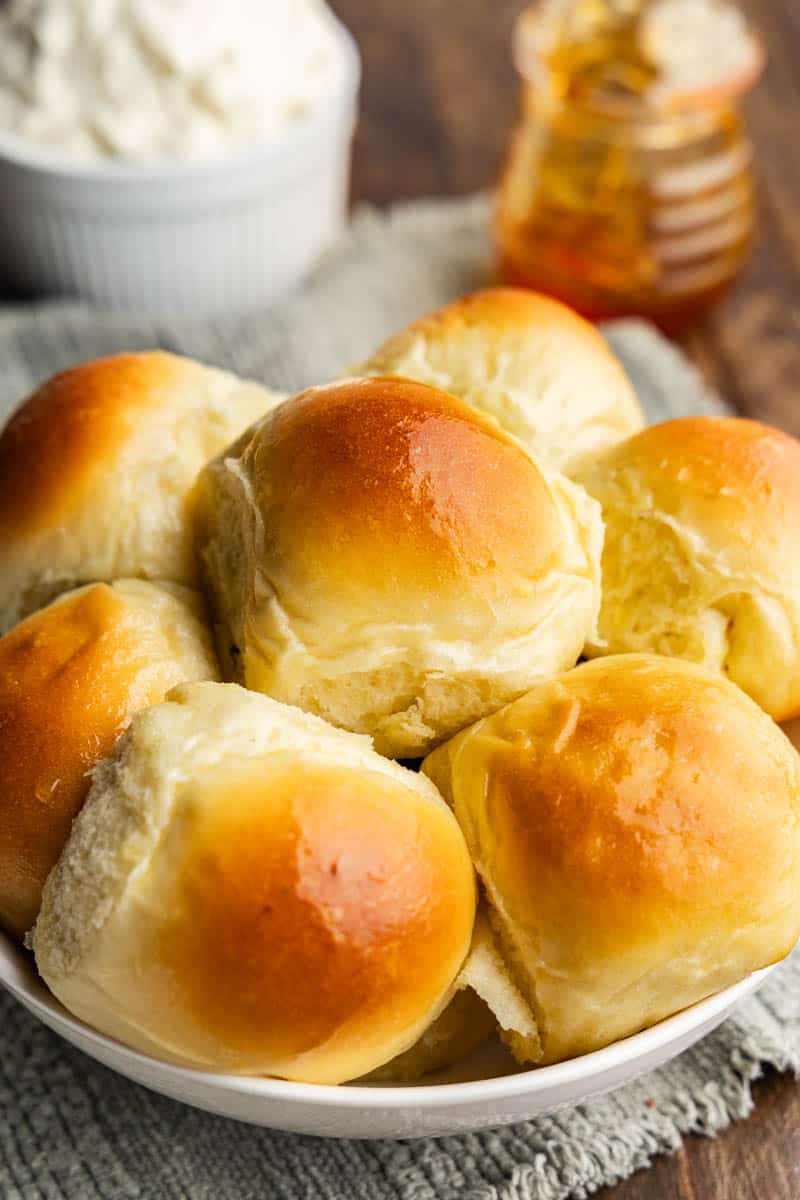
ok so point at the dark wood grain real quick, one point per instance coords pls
(438, 99)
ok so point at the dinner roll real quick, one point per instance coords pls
(96, 467)
(531, 363)
(702, 551)
(71, 678)
(382, 555)
(250, 890)
(636, 826)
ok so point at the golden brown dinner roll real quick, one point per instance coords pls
(531, 363)
(250, 890)
(702, 551)
(384, 556)
(71, 677)
(636, 826)
(96, 467)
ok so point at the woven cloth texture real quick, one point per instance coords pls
(71, 1129)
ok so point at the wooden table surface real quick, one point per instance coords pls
(438, 99)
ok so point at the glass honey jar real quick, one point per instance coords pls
(628, 188)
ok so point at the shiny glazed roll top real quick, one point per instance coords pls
(384, 556)
(71, 677)
(250, 890)
(636, 826)
(542, 372)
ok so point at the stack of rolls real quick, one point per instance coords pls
(301, 773)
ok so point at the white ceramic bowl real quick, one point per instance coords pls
(483, 1091)
(198, 239)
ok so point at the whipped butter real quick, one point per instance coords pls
(147, 80)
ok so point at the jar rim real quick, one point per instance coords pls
(526, 49)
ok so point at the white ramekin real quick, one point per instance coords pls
(195, 239)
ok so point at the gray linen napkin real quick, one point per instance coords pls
(72, 1130)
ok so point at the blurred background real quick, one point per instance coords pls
(194, 158)
(440, 95)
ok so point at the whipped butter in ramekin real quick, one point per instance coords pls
(172, 156)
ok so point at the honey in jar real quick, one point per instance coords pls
(628, 188)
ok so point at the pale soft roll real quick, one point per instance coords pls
(381, 554)
(250, 890)
(546, 375)
(71, 678)
(96, 470)
(702, 551)
(636, 826)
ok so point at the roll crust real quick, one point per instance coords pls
(71, 678)
(382, 555)
(545, 374)
(274, 898)
(96, 467)
(702, 551)
(636, 827)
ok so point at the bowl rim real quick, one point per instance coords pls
(337, 101)
(627, 1050)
